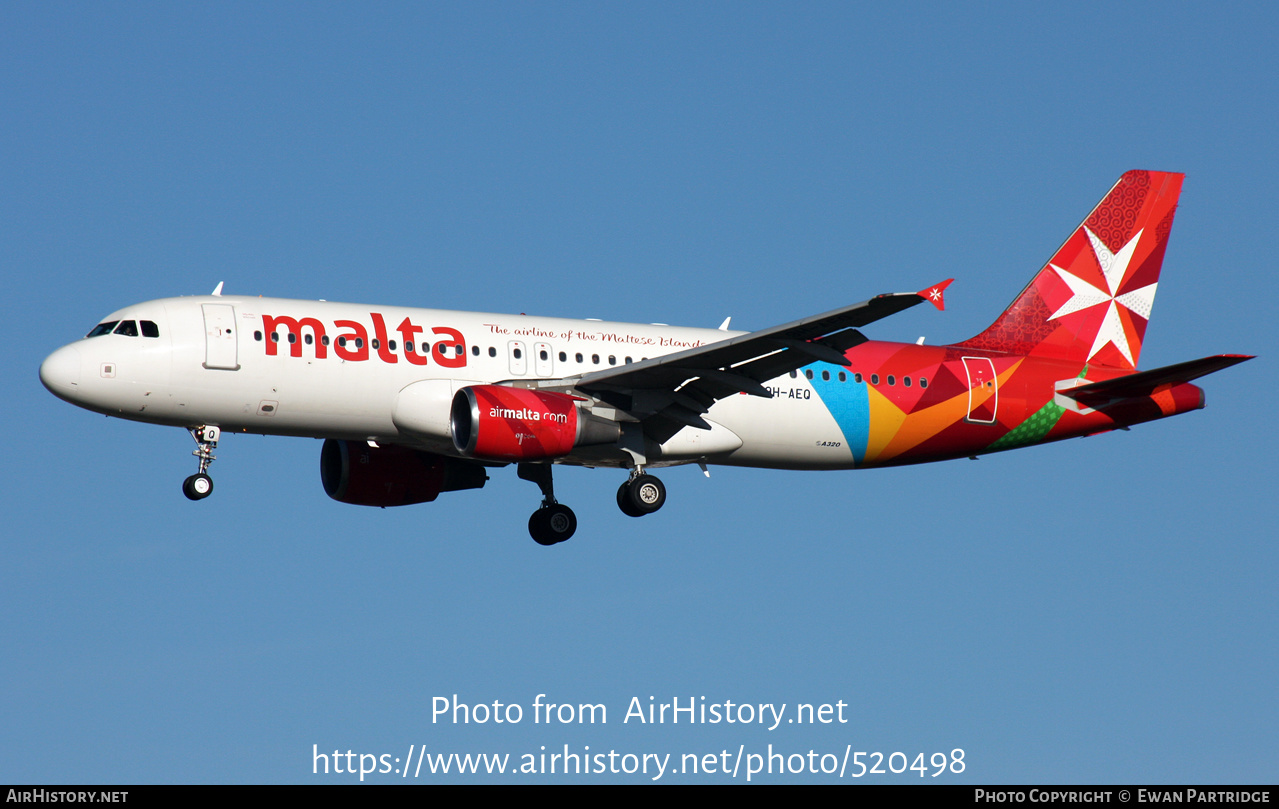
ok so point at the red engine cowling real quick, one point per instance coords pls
(355, 473)
(517, 424)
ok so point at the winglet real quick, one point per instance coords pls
(218, 290)
(933, 294)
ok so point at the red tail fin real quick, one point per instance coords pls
(1092, 301)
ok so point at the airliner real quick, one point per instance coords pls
(415, 402)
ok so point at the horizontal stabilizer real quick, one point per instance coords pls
(1144, 383)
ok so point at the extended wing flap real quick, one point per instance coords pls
(1144, 383)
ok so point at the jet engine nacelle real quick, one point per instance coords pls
(356, 473)
(494, 422)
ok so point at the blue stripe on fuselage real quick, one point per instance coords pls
(848, 402)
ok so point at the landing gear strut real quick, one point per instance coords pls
(200, 485)
(641, 494)
(553, 522)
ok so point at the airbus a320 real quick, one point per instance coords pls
(415, 402)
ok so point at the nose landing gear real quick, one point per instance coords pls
(200, 485)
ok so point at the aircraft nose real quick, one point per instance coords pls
(60, 371)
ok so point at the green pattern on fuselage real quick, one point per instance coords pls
(1030, 431)
(1033, 429)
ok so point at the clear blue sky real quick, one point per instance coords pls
(1098, 610)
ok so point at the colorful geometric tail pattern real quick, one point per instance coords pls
(1092, 301)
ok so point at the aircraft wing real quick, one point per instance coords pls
(670, 392)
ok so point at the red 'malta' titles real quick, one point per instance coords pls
(353, 344)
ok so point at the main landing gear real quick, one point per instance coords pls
(641, 494)
(553, 522)
(200, 485)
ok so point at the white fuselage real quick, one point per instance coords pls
(337, 370)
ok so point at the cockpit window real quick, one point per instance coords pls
(127, 328)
